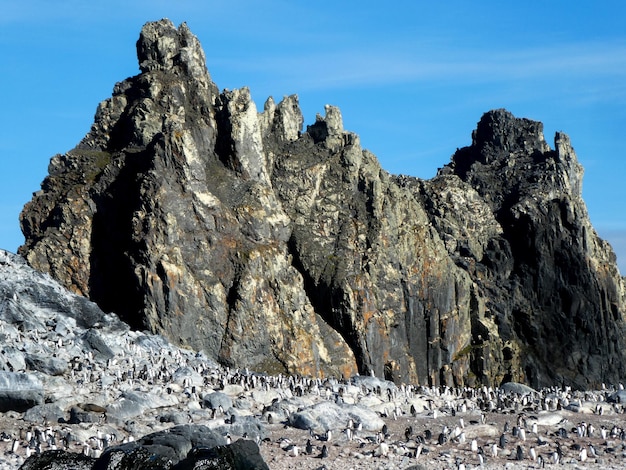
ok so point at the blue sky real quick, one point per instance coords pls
(412, 78)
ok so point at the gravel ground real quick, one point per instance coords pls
(396, 452)
(360, 453)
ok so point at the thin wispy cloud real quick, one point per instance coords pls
(387, 66)
(412, 80)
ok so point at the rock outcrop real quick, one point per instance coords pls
(236, 232)
(511, 213)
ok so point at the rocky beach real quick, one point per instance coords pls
(79, 387)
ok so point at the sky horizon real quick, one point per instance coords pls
(412, 80)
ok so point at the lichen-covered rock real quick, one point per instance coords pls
(189, 213)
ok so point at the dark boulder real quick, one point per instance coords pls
(182, 447)
(171, 445)
(58, 460)
(240, 455)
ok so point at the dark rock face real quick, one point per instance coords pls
(189, 213)
(551, 286)
(178, 448)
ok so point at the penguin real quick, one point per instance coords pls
(590, 430)
(382, 450)
(474, 445)
(519, 454)
(494, 450)
(324, 452)
(309, 447)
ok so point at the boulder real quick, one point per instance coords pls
(165, 448)
(48, 412)
(374, 384)
(248, 426)
(240, 455)
(282, 409)
(215, 400)
(174, 417)
(12, 359)
(19, 392)
(514, 387)
(79, 415)
(46, 364)
(93, 342)
(617, 397)
(136, 457)
(187, 376)
(134, 403)
(328, 415)
(58, 460)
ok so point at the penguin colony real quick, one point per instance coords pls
(469, 428)
(438, 427)
(144, 384)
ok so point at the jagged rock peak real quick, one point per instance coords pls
(498, 130)
(161, 46)
(510, 155)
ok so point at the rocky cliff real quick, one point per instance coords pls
(190, 213)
